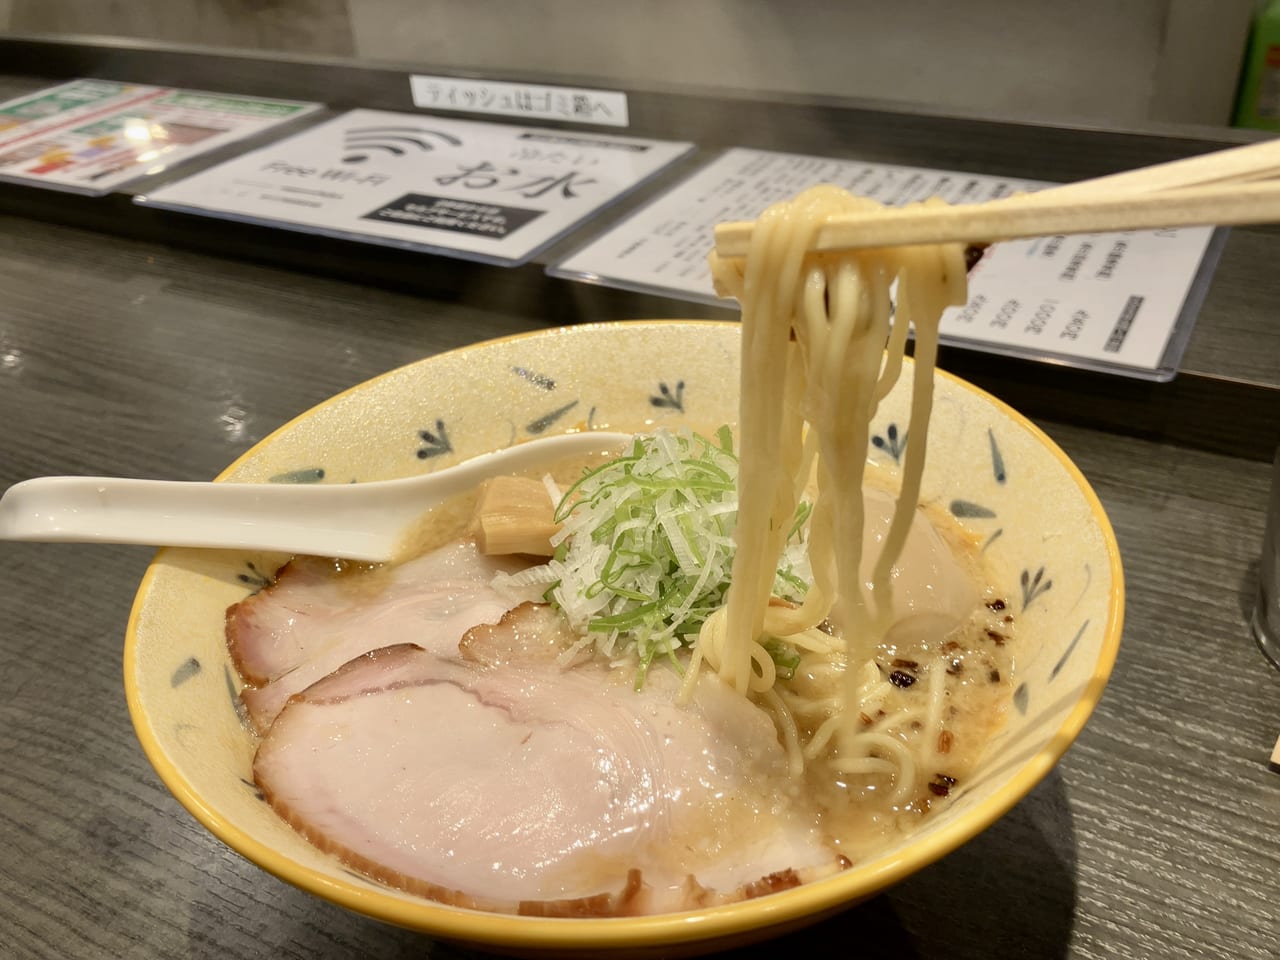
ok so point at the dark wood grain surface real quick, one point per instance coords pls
(1158, 835)
(1155, 837)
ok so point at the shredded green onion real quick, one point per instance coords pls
(646, 547)
(786, 658)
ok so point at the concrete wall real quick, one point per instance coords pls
(1116, 62)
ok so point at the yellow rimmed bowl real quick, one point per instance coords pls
(1041, 527)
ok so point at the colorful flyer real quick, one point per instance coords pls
(1120, 303)
(92, 136)
(464, 188)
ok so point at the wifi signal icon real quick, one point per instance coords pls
(361, 143)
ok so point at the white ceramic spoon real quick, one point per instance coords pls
(355, 521)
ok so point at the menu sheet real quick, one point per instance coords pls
(1121, 303)
(465, 188)
(91, 136)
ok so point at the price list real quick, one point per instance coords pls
(1116, 302)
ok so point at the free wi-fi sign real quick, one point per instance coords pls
(360, 144)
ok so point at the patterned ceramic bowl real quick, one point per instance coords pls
(1039, 523)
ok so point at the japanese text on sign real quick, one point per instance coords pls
(1119, 302)
(571, 104)
(477, 189)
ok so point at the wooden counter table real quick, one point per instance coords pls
(140, 352)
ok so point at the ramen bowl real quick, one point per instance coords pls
(1043, 532)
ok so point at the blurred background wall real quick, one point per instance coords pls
(1113, 62)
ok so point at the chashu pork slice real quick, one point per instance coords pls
(527, 787)
(321, 613)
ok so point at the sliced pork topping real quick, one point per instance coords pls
(320, 614)
(530, 632)
(532, 788)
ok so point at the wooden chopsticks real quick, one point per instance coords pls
(1255, 161)
(1225, 188)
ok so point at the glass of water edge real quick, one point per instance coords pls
(1266, 612)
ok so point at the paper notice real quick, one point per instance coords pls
(92, 136)
(466, 188)
(1110, 301)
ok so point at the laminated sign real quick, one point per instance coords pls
(92, 136)
(484, 191)
(1117, 303)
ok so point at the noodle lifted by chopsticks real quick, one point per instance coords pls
(819, 353)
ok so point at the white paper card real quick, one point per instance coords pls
(480, 190)
(527, 100)
(1107, 300)
(91, 136)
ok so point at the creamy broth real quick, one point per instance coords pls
(731, 692)
(975, 665)
(452, 519)
(938, 685)
(974, 657)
